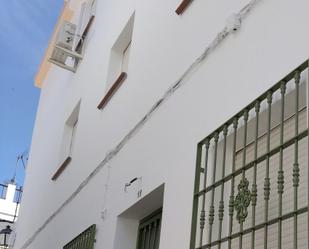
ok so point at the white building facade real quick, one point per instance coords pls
(161, 100)
(10, 197)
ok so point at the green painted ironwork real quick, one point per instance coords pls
(149, 231)
(214, 148)
(202, 216)
(280, 180)
(212, 208)
(84, 240)
(242, 200)
(254, 185)
(221, 203)
(296, 169)
(231, 200)
(267, 179)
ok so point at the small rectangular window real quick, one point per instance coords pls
(118, 62)
(18, 194)
(3, 190)
(68, 141)
(120, 53)
(125, 58)
(74, 128)
(149, 231)
(70, 130)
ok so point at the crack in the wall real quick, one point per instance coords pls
(231, 27)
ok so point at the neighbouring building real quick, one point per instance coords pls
(171, 124)
(10, 197)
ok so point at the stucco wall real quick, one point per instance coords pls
(271, 42)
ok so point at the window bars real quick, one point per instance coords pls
(251, 174)
(149, 231)
(85, 240)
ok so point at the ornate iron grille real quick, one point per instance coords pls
(85, 240)
(251, 180)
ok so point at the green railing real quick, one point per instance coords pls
(85, 240)
(251, 180)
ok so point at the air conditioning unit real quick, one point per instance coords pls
(63, 54)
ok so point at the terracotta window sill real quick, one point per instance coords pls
(61, 168)
(183, 6)
(112, 90)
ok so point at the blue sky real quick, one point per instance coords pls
(25, 29)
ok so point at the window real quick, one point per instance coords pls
(125, 58)
(18, 194)
(68, 141)
(118, 62)
(85, 240)
(149, 231)
(251, 174)
(74, 128)
(3, 190)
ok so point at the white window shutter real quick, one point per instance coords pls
(82, 21)
(86, 13)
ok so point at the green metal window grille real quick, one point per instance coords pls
(85, 240)
(149, 231)
(251, 180)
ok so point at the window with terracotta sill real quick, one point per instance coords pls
(118, 62)
(68, 141)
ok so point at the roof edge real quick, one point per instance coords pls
(44, 67)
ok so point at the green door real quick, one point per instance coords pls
(149, 231)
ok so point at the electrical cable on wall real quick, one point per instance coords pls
(106, 186)
(233, 24)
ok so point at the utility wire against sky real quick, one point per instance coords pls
(23, 158)
(20, 60)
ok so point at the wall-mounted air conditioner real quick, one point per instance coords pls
(63, 54)
(69, 46)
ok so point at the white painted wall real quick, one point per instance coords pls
(9, 213)
(9, 208)
(271, 42)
